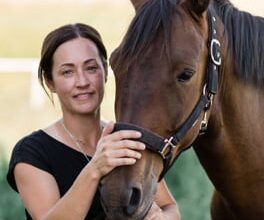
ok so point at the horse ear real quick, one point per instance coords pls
(198, 6)
(138, 3)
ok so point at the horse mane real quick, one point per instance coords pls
(245, 36)
(153, 18)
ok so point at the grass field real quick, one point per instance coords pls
(24, 25)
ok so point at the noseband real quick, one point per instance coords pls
(165, 146)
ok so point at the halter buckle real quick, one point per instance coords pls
(168, 147)
(215, 52)
(204, 123)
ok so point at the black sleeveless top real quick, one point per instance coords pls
(64, 163)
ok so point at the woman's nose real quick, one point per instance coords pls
(82, 79)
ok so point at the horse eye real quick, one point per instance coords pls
(185, 75)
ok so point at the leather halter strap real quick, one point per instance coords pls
(165, 146)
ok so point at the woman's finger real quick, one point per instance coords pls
(108, 129)
(135, 145)
(122, 153)
(123, 162)
(121, 135)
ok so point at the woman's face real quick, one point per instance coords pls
(78, 77)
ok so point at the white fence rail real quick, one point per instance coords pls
(25, 65)
(16, 65)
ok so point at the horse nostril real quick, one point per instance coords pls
(134, 201)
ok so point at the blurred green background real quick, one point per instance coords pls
(23, 25)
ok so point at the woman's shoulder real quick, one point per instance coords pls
(38, 145)
(36, 138)
(33, 137)
(33, 144)
(31, 149)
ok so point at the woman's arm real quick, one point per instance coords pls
(40, 194)
(164, 206)
(39, 190)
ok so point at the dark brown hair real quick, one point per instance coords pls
(61, 35)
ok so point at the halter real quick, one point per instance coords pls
(165, 146)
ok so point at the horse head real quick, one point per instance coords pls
(163, 90)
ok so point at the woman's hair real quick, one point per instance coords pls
(61, 35)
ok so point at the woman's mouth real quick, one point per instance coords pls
(83, 96)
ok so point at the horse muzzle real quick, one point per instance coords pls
(125, 197)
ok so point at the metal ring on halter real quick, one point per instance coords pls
(204, 89)
(216, 60)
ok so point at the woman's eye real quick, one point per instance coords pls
(92, 68)
(67, 72)
(185, 75)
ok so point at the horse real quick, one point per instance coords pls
(191, 73)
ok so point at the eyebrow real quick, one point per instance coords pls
(85, 62)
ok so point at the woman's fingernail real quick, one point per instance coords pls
(139, 134)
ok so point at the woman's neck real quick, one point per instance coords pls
(86, 129)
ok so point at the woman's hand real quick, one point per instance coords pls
(164, 206)
(155, 213)
(116, 149)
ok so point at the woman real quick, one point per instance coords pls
(57, 170)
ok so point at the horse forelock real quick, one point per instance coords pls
(245, 38)
(153, 18)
